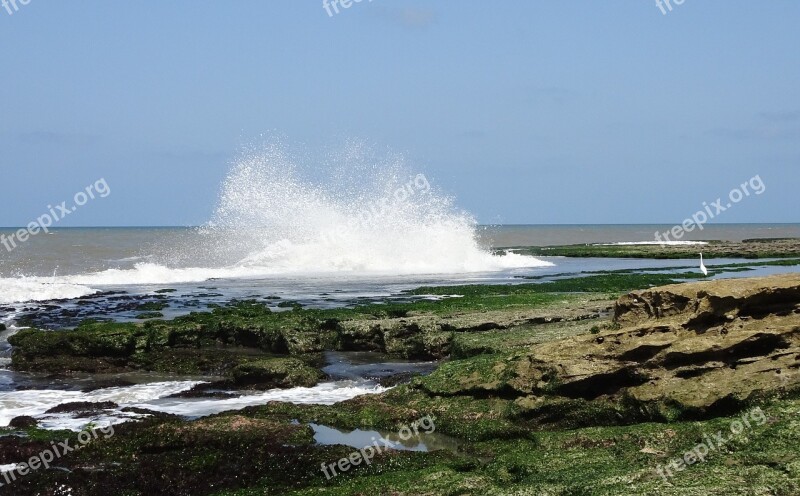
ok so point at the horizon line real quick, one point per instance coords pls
(191, 226)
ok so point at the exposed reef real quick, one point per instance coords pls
(552, 388)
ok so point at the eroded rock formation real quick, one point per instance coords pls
(679, 351)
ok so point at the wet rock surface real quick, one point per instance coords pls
(83, 408)
(681, 351)
(516, 379)
(275, 373)
(23, 422)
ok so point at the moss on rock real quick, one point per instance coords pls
(270, 373)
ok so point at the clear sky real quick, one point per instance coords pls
(526, 111)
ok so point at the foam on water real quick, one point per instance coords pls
(154, 396)
(321, 394)
(35, 402)
(13, 290)
(353, 212)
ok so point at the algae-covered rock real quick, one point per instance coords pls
(80, 409)
(423, 337)
(270, 373)
(23, 422)
(690, 350)
(207, 342)
(93, 347)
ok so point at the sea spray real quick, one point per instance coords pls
(355, 211)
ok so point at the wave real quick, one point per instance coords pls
(17, 290)
(355, 212)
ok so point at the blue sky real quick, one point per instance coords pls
(525, 111)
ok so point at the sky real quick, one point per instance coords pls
(526, 112)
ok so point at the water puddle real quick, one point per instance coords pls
(408, 439)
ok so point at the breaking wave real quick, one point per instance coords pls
(355, 211)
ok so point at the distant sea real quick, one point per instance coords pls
(76, 251)
(74, 262)
(550, 235)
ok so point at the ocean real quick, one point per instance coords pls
(73, 262)
(70, 263)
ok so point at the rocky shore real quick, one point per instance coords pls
(748, 248)
(587, 386)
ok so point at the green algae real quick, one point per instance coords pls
(244, 454)
(276, 373)
(509, 446)
(750, 250)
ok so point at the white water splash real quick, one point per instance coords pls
(155, 396)
(322, 394)
(35, 402)
(358, 211)
(354, 212)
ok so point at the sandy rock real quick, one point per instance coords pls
(687, 350)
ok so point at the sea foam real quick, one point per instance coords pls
(355, 212)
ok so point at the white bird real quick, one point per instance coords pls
(703, 266)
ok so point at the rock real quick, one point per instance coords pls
(397, 379)
(712, 302)
(83, 408)
(107, 383)
(23, 422)
(685, 351)
(269, 373)
(216, 390)
(149, 315)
